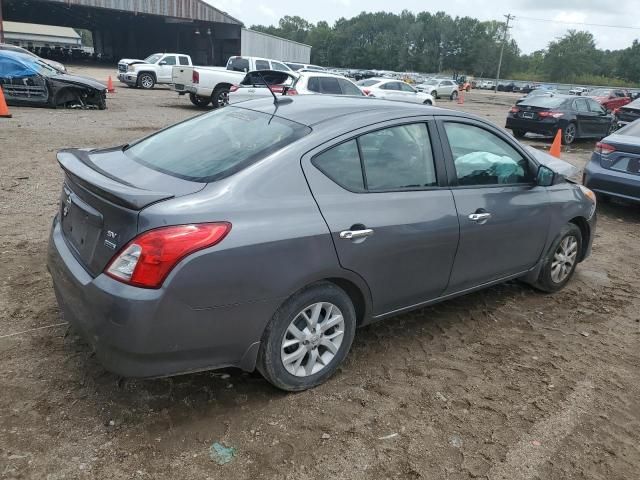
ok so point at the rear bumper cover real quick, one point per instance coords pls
(621, 185)
(542, 127)
(139, 332)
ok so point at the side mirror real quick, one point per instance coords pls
(545, 176)
(162, 63)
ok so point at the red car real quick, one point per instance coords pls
(610, 98)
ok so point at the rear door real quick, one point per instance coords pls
(503, 215)
(383, 194)
(587, 123)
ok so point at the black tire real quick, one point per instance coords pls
(545, 282)
(270, 363)
(454, 95)
(200, 102)
(519, 133)
(220, 97)
(434, 94)
(146, 81)
(569, 133)
(428, 102)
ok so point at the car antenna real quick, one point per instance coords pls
(275, 99)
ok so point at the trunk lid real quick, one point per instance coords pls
(102, 195)
(181, 76)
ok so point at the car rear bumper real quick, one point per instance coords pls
(542, 127)
(138, 332)
(622, 185)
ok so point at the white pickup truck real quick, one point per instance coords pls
(207, 85)
(155, 69)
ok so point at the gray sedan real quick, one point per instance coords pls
(261, 235)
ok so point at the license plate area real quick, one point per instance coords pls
(179, 86)
(81, 224)
(529, 115)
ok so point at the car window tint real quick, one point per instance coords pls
(581, 105)
(349, 88)
(406, 88)
(215, 145)
(330, 85)
(595, 106)
(398, 158)
(238, 64)
(342, 165)
(483, 158)
(169, 60)
(367, 83)
(279, 66)
(295, 66)
(262, 65)
(183, 60)
(391, 86)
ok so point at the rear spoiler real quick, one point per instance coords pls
(266, 73)
(78, 166)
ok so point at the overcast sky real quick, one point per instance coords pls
(530, 35)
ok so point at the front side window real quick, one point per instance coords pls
(406, 88)
(262, 65)
(581, 105)
(169, 60)
(483, 158)
(215, 145)
(596, 107)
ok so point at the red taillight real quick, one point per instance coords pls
(616, 110)
(195, 76)
(234, 88)
(514, 109)
(147, 259)
(366, 91)
(550, 114)
(292, 91)
(604, 148)
(276, 88)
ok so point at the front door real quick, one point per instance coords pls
(503, 215)
(601, 119)
(392, 219)
(166, 68)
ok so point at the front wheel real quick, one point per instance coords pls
(220, 97)
(434, 94)
(569, 134)
(454, 95)
(146, 81)
(428, 102)
(200, 102)
(561, 261)
(308, 338)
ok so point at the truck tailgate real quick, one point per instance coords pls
(181, 77)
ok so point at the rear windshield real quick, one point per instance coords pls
(367, 83)
(544, 102)
(238, 64)
(215, 145)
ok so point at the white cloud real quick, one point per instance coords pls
(269, 12)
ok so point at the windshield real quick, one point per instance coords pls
(215, 145)
(367, 83)
(540, 93)
(600, 92)
(544, 102)
(153, 58)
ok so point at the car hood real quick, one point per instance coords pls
(130, 61)
(560, 167)
(81, 81)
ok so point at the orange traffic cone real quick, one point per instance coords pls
(556, 145)
(461, 97)
(4, 110)
(110, 88)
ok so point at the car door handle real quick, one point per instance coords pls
(479, 217)
(353, 234)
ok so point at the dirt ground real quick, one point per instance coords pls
(506, 383)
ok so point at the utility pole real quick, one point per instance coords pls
(1, 25)
(509, 17)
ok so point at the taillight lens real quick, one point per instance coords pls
(514, 109)
(195, 77)
(234, 88)
(550, 114)
(366, 91)
(292, 91)
(604, 148)
(147, 259)
(276, 88)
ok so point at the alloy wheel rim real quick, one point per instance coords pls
(570, 133)
(223, 99)
(146, 81)
(564, 259)
(312, 339)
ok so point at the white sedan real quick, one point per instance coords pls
(390, 89)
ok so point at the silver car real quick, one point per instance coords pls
(262, 235)
(438, 88)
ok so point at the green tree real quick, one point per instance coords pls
(573, 55)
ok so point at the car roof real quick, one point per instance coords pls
(313, 110)
(19, 56)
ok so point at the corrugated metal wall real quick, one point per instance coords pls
(257, 44)
(191, 9)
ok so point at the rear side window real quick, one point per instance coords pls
(238, 64)
(349, 88)
(483, 158)
(183, 60)
(396, 158)
(295, 66)
(215, 145)
(326, 85)
(262, 65)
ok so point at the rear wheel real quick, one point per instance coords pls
(454, 95)
(308, 338)
(200, 102)
(220, 97)
(560, 263)
(569, 134)
(519, 133)
(146, 81)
